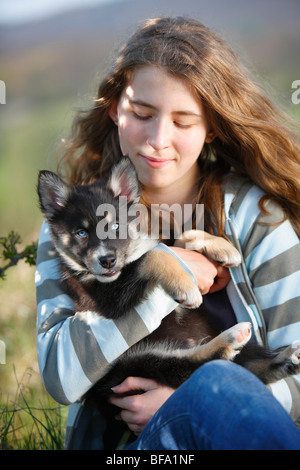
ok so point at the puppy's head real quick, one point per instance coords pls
(85, 220)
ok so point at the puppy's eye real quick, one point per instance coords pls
(115, 226)
(82, 233)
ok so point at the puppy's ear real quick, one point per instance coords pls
(124, 181)
(53, 193)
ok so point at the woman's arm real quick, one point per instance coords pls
(274, 271)
(270, 280)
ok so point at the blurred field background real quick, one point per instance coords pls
(50, 67)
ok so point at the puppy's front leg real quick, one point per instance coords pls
(216, 248)
(162, 268)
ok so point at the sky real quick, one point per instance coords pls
(17, 11)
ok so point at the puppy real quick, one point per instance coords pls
(109, 269)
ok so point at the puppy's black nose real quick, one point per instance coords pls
(107, 261)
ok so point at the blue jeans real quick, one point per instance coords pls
(222, 406)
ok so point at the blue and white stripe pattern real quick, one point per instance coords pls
(267, 284)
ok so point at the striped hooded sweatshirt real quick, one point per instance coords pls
(76, 349)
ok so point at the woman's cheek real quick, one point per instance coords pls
(130, 135)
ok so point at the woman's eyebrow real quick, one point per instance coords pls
(148, 105)
(141, 103)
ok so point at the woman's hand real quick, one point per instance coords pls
(137, 410)
(210, 275)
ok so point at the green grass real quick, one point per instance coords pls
(31, 423)
(29, 417)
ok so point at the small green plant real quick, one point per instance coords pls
(10, 254)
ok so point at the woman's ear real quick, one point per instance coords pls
(210, 136)
(113, 112)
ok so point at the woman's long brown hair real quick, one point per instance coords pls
(253, 138)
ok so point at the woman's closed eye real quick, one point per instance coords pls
(181, 125)
(145, 117)
(141, 117)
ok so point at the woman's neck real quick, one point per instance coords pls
(179, 200)
(165, 196)
(182, 192)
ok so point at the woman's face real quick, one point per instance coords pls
(162, 128)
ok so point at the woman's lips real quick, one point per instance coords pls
(155, 162)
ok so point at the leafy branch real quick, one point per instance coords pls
(10, 254)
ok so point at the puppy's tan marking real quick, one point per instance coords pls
(162, 268)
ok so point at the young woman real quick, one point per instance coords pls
(198, 130)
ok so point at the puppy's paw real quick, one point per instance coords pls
(295, 356)
(224, 253)
(224, 346)
(236, 337)
(189, 298)
(289, 355)
(216, 248)
(293, 353)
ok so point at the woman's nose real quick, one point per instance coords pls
(159, 135)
